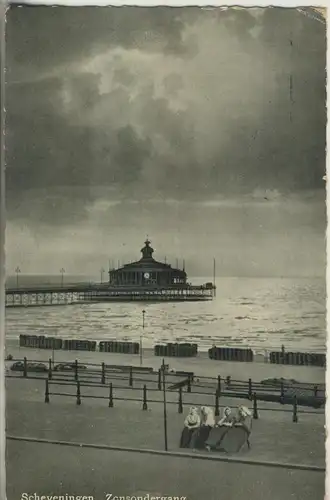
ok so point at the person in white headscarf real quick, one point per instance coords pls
(191, 423)
(207, 423)
(207, 415)
(244, 419)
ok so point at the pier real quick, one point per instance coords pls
(77, 294)
(143, 280)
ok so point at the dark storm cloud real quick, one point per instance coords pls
(225, 119)
(40, 37)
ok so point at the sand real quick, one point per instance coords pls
(200, 365)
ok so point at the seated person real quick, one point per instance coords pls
(201, 435)
(191, 423)
(227, 419)
(244, 419)
(238, 435)
(216, 434)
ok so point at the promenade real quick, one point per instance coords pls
(136, 470)
(59, 470)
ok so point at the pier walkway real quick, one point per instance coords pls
(49, 295)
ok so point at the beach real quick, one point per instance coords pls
(200, 365)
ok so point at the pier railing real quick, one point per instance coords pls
(73, 294)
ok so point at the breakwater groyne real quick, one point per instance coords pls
(178, 350)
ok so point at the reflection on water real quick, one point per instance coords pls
(261, 313)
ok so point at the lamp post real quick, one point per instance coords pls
(62, 271)
(17, 271)
(164, 402)
(143, 313)
(102, 271)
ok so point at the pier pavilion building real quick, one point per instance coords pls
(147, 272)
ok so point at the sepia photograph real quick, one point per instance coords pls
(165, 291)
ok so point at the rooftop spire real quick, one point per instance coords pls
(147, 251)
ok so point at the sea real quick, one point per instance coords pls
(260, 313)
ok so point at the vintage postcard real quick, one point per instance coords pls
(165, 294)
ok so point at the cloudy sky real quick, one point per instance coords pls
(204, 129)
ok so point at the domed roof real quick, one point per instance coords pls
(148, 262)
(147, 251)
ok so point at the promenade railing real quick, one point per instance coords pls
(142, 383)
